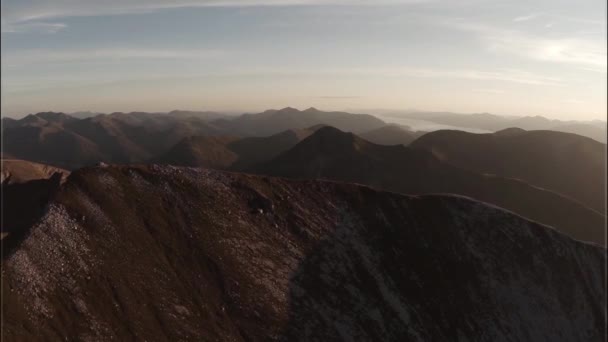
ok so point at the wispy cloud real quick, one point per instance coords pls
(576, 51)
(14, 11)
(508, 75)
(502, 75)
(585, 53)
(25, 27)
(526, 17)
(49, 56)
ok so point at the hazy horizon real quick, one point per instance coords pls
(515, 58)
(395, 116)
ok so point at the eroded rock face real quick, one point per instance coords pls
(164, 253)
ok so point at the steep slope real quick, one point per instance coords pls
(566, 163)
(220, 256)
(332, 154)
(21, 171)
(275, 121)
(391, 135)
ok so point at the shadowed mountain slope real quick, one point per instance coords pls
(200, 151)
(562, 162)
(220, 256)
(230, 152)
(335, 155)
(391, 135)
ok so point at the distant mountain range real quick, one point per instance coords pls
(551, 177)
(167, 253)
(275, 121)
(593, 129)
(61, 140)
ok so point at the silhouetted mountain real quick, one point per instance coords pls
(84, 114)
(254, 150)
(164, 253)
(335, 155)
(21, 171)
(275, 121)
(391, 135)
(230, 152)
(8, 123)
(54, 117)
(593, 129)
(562, 162)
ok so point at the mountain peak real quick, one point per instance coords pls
(53, 116)
(510, 131)
(329, 131)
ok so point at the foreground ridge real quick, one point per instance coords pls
(167, 253)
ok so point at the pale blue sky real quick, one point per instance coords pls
(507, 57)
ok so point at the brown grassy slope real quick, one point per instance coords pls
(220, 256)
(332, 154)
(21, 171)
(570, 164)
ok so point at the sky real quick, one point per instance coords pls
(512, 57)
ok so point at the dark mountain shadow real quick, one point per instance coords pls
(23, 204)
(565, 163)
(438, 272)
